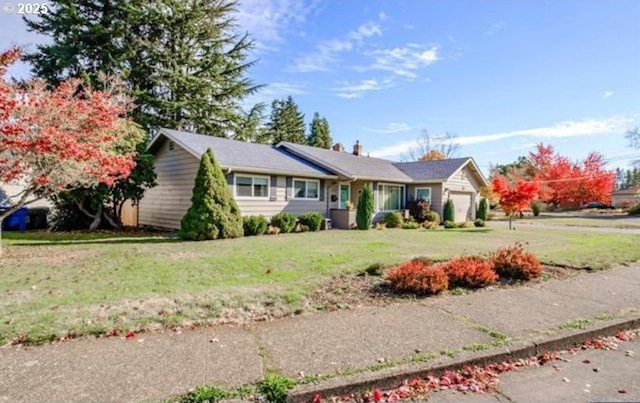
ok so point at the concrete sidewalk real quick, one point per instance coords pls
(155, 366)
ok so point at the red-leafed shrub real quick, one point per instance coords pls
(514, 262)
(470, 272)
(418, 277)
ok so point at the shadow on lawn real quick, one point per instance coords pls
(106, 241)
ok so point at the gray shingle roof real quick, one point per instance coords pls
(431, 170)
(238, 155)
(349, 165)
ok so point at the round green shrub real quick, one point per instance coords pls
(285, 221)
(432, 216)
(311, 220)
(376, 269)
(635, 210)
(393, 219)
(449, 224)
(410, 225)
(254, 225)
(430, 225)
(535, 208)
(449, 211)
(479, 223)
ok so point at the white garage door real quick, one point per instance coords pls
(462, 203)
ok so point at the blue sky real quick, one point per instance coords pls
(501, 75)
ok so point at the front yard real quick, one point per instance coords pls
(54, 285)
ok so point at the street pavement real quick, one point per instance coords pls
(589, 376)
(151, 367)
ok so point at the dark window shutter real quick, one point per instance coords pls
(289, 191)
(229, 179)
(321, 191)
(274, 188)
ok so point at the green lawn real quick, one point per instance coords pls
(55, 284)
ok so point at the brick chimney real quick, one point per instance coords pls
(357, 148)
(338, 147)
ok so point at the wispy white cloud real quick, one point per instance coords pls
(560, 130)
(366, 30)
(355, 90)
(392, 128)
(607, 94)
(348, 95)
(493, 29)
(404, 61)
(269, 21)
(327, 52)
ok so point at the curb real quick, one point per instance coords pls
(393, 377)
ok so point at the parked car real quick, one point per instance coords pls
(598, 205)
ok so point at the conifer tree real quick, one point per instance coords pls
(214, 213)
(320, 134)
(449, 211)
(364, 213)
(286, 123)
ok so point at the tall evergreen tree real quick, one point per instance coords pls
(182, 60)
(320, 134)
(286, 123)
(214, 213)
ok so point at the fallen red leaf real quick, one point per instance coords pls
(377, 395)
(130, 335)
(317, 399)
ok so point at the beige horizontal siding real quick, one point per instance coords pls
(268, 207)
(165, 205)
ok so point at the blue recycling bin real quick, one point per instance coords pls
(17, 221)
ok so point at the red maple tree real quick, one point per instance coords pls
(514, 197)
(58, 139)
(565, 182)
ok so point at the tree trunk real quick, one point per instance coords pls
(510, 219)
(113, 222)
(1, 221)
(97, 220)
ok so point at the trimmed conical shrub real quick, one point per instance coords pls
(483, 209)
(449, 211)
(364, 215)
(214, 213)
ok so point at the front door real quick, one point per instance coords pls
(345, 195)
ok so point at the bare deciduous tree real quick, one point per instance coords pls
(444, 144)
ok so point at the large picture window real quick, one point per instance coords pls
(389, 197)
(306, 189)
(252, 186)
(423, 194)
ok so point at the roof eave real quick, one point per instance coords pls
(479, 174)
(282, 172)
(315, 160)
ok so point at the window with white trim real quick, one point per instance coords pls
(252, 186)
(306, 189)
(423, 194)
(389, 197)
